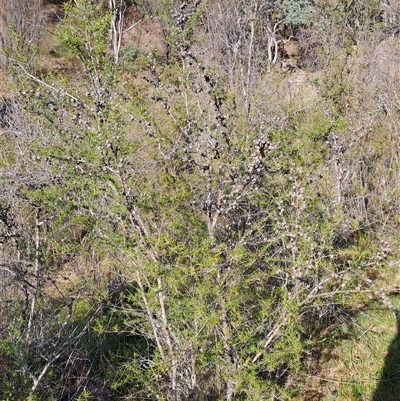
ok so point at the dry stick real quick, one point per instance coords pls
(168, 337)
(150, 316)
(53, 357)
(270, 338)
(116, 29)
(7, 269)
(165, 328)
(137, 222)
(365, 332)
(132, 26)
(248, 78)
(36, 275)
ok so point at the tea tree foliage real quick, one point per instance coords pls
(167, 235)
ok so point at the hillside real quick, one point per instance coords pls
(200, 200)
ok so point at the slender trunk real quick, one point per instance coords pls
(36, 276)
(249, 68)
(167, 334)
(117, 8)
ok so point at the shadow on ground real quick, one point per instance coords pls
(388, 388)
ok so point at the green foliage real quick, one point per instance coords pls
(85, 396)
(129, 54)
(296, 12)
(84, 33)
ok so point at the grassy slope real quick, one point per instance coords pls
(354, 368)
(365, 365)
